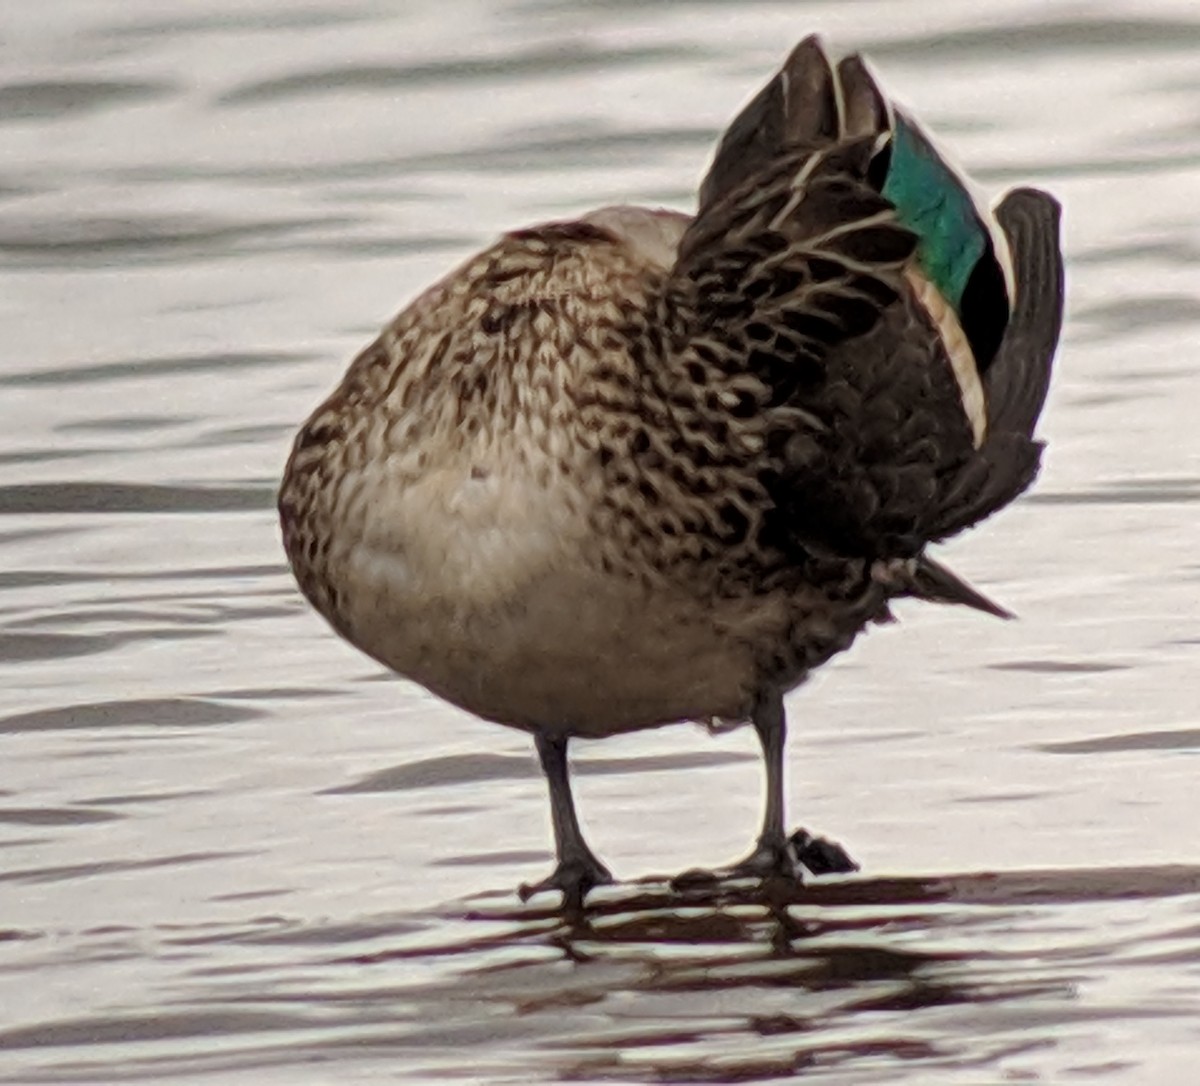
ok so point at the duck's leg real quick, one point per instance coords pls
(777, 853)
(578, 870)
(772, 853)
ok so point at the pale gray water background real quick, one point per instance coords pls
(230, 853)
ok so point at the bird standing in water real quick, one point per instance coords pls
(643, 467)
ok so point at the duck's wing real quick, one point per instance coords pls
(886, 336)
(796, 285)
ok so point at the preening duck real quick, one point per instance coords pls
(643, 467)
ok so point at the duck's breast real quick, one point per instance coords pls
(489, 591)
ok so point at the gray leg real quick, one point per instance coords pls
(776, 853)
(772, 853)
(578, 869)
(770, 724)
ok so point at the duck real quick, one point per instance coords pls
(644, 467)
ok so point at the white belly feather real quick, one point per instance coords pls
(479, 589)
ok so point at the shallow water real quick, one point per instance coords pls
(233, 851)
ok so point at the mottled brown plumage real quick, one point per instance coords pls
(642, 468)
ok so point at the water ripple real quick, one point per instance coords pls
(219, 362)
(134, 713)
(568, 58)
(47, 101)
(73, 497)
(1046, 35)
(463, 768)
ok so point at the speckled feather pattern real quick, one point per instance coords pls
(634, 468)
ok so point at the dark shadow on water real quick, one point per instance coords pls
(424, 73)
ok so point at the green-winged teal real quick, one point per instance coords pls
(644, 467)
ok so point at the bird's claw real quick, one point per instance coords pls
(820, 856)
(574, 878)
(780, 858)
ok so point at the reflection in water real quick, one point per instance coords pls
(750, 983)
(729, 984)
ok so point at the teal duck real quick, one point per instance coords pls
(643, 467)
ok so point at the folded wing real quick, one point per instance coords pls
(894, 336)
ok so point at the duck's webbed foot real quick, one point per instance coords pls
(574, 877)
(820, 856)
(578, 869)
(778, 854)
(776, 857)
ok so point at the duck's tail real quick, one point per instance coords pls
(811, 103)
(922, 578)
(808, 103)
(1017, 380)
